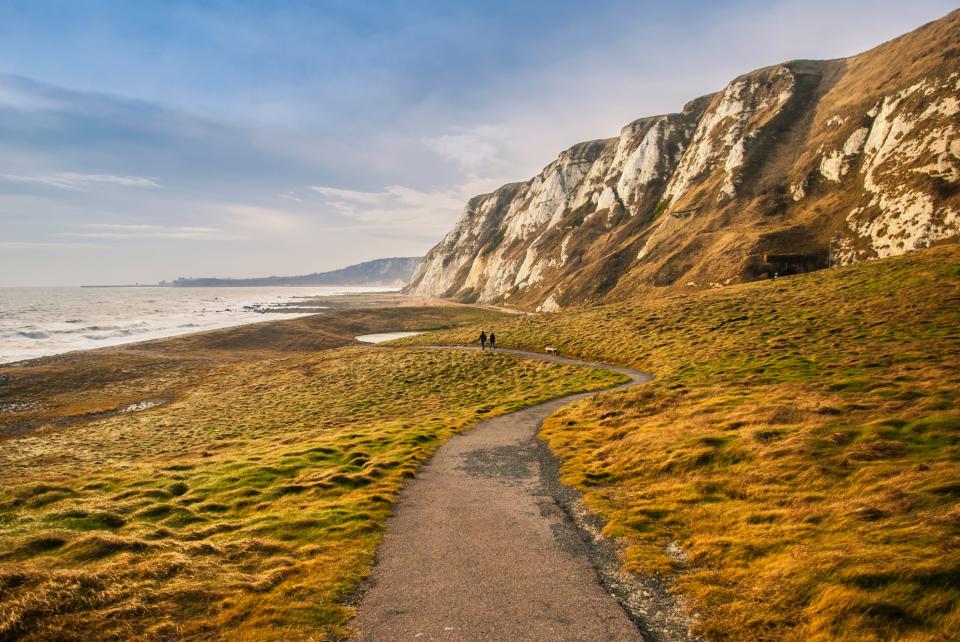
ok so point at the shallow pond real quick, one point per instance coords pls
(384, 336)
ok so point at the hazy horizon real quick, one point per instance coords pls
(145, 142)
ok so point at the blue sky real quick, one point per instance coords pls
(147, 140)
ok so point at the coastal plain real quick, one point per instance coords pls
(252, 499)
(791, 472)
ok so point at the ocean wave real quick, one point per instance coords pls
(118, 330)
(42, 322)
(127, 332)
(116, 334)
(68, 331)
(33, 334)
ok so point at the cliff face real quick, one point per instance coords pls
(787, 169)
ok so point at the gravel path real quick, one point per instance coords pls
(483, 547)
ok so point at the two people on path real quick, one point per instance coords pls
(483, 340)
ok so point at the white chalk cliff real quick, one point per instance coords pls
(788, 168)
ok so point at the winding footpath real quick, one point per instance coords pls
(480, 548)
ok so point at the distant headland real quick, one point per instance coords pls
(389, 272)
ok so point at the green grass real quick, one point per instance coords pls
(800, 445)
(251, 507)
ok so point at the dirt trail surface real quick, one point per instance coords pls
(480, 548)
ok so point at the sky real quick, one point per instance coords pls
(149, 140)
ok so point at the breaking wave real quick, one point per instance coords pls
(38, 322)
(33, 334)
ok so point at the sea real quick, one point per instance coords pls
(39, 322)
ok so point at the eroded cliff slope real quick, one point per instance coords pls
(789, 168)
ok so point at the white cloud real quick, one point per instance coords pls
(406, 210)
(263, 219)
(80, 182)
(477, 149)
(397, 207)
(336, 194)
(126, 232)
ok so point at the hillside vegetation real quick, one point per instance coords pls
(795, 465)
(250, 507)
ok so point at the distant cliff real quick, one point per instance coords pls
(393, 272)
(789, 168)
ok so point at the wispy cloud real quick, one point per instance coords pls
(258, 220)
(45, 245)
(80, 182)
(477, 150)
(402, 208)
(338, 195)
(14, 96)
(125, 232)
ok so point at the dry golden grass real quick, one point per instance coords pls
(251, 507)
(795, 465)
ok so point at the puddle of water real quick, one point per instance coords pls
(140, 405)
(384, 336)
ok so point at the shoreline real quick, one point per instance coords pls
(286, 311)
(135, 341)
(53, 391)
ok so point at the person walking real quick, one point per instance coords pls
(483, 340)
(493, 341)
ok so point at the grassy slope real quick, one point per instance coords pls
(252, 506)
(795, 464)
